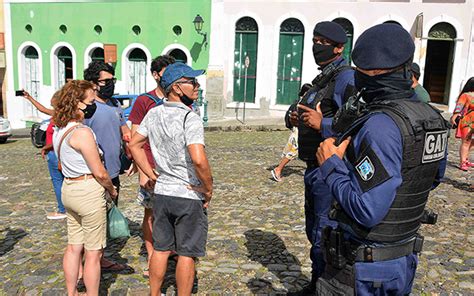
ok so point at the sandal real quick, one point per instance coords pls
(275, 176)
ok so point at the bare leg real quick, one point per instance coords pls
(284, 161)
(71, 262)
(464, 149)
(158, 265)
(147, 227)
(92, 272)
(185, 275)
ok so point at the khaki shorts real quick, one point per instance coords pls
(85, 205)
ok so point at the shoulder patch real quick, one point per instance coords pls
(370, 170)
(435, 146)
(366, 169)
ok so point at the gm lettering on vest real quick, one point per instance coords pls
(435, 146)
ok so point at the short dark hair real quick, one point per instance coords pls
(158, 63)
(94, 68)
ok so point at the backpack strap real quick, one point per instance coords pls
(155, 99)
(185, 117)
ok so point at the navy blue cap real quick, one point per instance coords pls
(383, 46)
(332, 31)
(176, 71)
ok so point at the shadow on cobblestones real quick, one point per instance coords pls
(269, 250)
(459, 185)
(11, 238)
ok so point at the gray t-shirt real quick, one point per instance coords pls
(169, 135)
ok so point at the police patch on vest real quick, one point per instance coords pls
(365, 169)
(435, 146)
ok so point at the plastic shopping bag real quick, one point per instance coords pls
(117, 224)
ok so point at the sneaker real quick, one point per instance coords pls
(464, 166)
(56, 216)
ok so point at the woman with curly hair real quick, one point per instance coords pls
(85, 184)
(463, 116)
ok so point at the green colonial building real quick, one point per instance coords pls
(51, 42)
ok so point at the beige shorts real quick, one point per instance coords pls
(85, 205)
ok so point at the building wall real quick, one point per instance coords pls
(155, 18)
(363, 14)
(3, 70)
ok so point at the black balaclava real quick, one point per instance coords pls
(391, 85)
(107, 91)
(323, 53)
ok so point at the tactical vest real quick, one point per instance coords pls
(424, 135)
(322, 91)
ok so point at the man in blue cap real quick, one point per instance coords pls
(330, 89)
(182, 181)
(381, 177)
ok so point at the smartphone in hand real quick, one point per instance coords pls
(19, 93)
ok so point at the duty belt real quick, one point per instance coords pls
(338, 251)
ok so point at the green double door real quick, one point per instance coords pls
(245, 75)
(290, 57)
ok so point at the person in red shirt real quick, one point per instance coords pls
(48, 153)
(142, 105)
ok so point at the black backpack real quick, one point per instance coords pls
(38, 134)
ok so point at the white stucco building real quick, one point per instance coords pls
(276, 39)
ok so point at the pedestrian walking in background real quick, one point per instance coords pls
(463, 120)
(142, 105)
(421, 93)
(290, 151)
(182, 180)
(85, 185)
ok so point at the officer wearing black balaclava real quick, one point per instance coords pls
(330, 89)
(380, 177)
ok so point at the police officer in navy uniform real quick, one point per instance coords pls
(330, 89)
(380, 176)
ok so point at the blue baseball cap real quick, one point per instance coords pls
(176, 71)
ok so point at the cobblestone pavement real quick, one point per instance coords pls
(256, 245)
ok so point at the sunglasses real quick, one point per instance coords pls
(106, 81)
(192, 81)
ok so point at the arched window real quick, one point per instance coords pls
(97, 54)
(179, 55)
(63, 67)
(439, 62)
(137, 71)
(31, 77)
(349, 28)
(245, 59)
(290, 58)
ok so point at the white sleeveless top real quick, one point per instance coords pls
(72, 162)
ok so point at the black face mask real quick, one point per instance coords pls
(396, 84)
(89, 110)
(185, 99)
(107, 91)
(322, 53)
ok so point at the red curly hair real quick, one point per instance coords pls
(66, 106)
